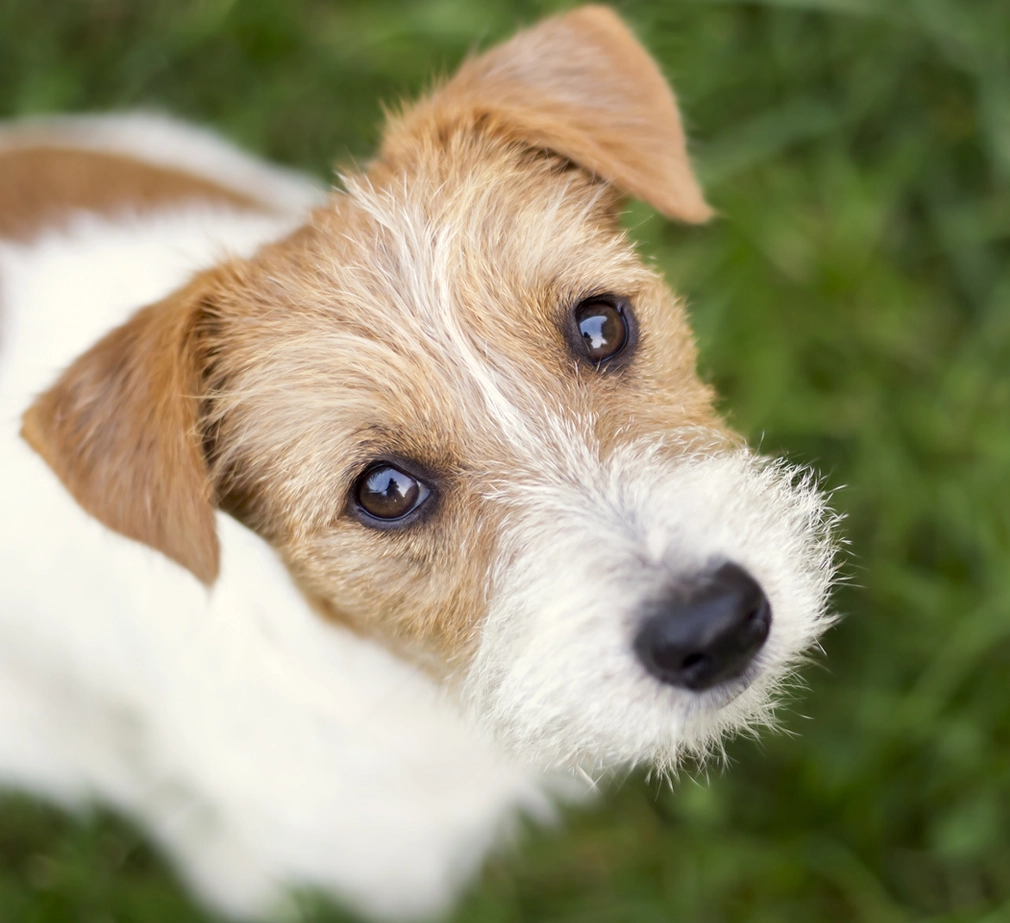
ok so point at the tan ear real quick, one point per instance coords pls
(120, 429)
(581, 85)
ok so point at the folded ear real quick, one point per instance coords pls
(580, 85)
(121, 430)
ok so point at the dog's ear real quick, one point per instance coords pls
(581, 85)
(121, 430)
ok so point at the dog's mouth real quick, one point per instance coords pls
(725, 693)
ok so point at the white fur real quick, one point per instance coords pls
(261, 746)
(591, 545)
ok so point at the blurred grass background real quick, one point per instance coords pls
(852, 306)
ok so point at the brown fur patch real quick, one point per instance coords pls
(40, 185)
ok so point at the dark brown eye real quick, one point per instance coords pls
(603, 327)
(387, 493)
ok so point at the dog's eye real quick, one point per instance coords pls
(387, 493)
(603, 327)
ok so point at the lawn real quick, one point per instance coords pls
(852, 304)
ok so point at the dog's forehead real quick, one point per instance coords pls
(427, 313)
(458, 271)
(491, 242)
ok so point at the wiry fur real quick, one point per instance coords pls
(567, 596)
(396, 695)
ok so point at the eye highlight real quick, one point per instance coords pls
(603, 327)
(388, 494)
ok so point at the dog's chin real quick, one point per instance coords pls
(633, 720)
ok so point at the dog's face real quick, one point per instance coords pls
(467, 415)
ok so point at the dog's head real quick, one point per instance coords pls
(467, 416)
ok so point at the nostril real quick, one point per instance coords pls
(707, 632)
(693, 660)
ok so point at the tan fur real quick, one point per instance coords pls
(418, 316)
(42, 184)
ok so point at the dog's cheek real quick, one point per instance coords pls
(421, 596)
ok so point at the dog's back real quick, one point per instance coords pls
(130, 165)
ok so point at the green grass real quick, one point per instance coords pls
(853, 308)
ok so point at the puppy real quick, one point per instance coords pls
(395, 503)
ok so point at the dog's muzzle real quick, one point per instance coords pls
(705, 632)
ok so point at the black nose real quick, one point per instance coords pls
(708, 632)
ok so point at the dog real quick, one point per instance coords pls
(345, 528)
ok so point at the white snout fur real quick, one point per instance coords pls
(556, 673)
